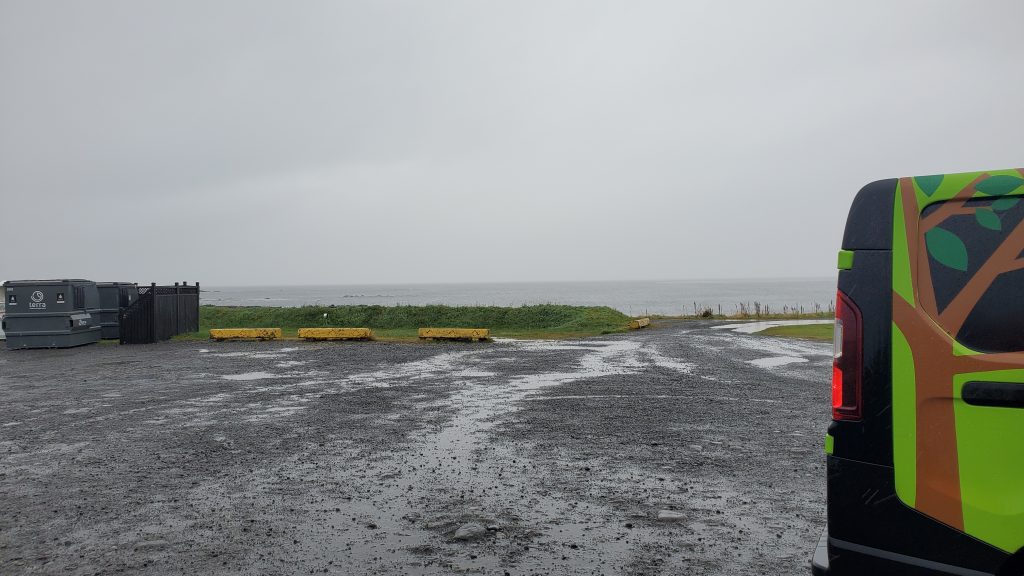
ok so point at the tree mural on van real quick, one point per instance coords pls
(957, 238)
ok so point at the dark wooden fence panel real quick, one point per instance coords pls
(136, 321)
(160, 313)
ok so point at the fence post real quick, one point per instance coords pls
(178, 295)
(153, 316)
(195, 325)
(182, 309)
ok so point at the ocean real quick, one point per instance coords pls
(669, 297)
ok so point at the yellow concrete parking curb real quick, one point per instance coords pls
(474, 334)
(639, 323)
(245, 333)
(335, 334)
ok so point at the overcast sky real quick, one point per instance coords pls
(446, 141)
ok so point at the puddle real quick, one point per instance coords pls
(250, 376)
(647, 396)
(420, 369)
(754, 327)
(773, 361)
(662, 361)
(461, 475)
(605, 359)
(264, 354)
(726, 342)
(223, 397)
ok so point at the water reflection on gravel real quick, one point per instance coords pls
(678, 449)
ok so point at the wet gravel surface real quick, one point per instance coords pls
(683, 449)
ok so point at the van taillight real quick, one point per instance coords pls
(847, 362)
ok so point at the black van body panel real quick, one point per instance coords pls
(867, 284)
(864, 513)
(869, 225)
(870, 531)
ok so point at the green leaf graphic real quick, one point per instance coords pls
(999, 185)
(988, 219)
(1005, 204)
(929, 184)
(947, 248)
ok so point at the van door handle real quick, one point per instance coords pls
(1002, 394)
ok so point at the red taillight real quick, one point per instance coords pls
(846, 364)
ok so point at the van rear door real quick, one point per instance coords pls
(958, 351)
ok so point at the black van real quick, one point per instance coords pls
(926, 446)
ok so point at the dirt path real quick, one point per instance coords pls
(517, 457)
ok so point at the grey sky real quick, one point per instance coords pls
(359, 142)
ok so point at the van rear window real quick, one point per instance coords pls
(974, 259)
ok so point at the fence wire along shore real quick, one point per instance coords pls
(758, 310)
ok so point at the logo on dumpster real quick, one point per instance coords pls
(37, 300)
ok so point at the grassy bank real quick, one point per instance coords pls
(402, 322)
(806, 331)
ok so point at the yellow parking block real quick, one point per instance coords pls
(455, 333)
(639, 323)
(335, 333)
(245, 333)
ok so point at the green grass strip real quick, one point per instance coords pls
(402, 322)
(806, 331)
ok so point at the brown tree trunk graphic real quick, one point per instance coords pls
(930, 334)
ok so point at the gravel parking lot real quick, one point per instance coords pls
(683, 449)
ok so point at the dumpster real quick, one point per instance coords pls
(114, 298)
(51, 313)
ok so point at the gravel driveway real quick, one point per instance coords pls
(683, 449)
